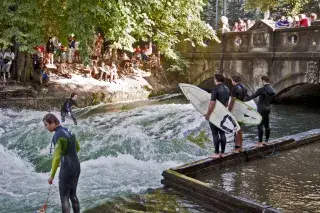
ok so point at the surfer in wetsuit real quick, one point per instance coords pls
(238, 92)
(266, 94)
(66, 108)
(222, 94)
(66, 148)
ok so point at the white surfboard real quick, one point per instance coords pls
(220, 116)
(245, 113)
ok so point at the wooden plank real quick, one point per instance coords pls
(203, 188)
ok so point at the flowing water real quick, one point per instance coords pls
(123, 153)
(289, 181)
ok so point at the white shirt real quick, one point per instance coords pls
(9, 55)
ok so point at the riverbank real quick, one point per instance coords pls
(138, 85)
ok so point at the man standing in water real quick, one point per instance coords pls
(66, 148)
(266, 94)
(222, 94)
(66, 108)
(238, 92)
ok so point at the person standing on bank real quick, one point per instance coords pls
(66, 108)
(266, 94)
(66, 148)
(222, 94)
(238, 92)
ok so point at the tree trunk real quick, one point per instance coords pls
(24, 67)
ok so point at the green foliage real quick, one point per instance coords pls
(178, 65)
(201, 139)
(287, 7)
(125, 22)
(236, 10)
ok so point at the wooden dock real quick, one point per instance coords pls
(182, 178)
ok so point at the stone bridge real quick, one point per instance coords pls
(288, 56)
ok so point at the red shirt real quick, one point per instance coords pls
(304, 22)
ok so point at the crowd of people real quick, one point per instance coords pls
(300, 20)
(106, 64)
(297, 21)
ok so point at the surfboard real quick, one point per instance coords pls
(245, 113)
(220, 116)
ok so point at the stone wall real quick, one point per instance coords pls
(288, 56)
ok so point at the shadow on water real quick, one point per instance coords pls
(154, 201)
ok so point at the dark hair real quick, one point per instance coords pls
(73, 94)
(219, 77)
(265, 78)
(236, 78)
(50, 119)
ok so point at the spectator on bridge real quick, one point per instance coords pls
(248, 24)
(235, 27)
(242, 26)
(282, 22)
(304, 22)
(296, 21)
(313, 17)
(290, 21)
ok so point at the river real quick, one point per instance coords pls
(124, 149)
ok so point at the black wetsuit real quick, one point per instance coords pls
(66, 108)
(66, 148)
(239, 92)
(266, 94)
(222, 94)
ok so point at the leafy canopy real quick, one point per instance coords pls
(164, 22)
(292, 7)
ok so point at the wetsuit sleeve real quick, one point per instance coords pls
(214, 95)
(60, 149)
(56, 159)
(256, 94)
(234, 92)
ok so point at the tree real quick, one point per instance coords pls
(165, 22)
(287, 7)
(235, 10)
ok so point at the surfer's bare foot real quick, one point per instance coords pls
(215, 156)
(222, 155)
(237, 150)
(258, 144)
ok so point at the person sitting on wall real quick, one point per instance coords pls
(44, 76)
(104, 71)
(304, 22)
(282, 22)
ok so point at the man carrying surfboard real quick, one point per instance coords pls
(266, 94)
(238, 92)
(222, 94)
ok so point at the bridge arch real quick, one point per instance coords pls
(207, 78)
(291, 80)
